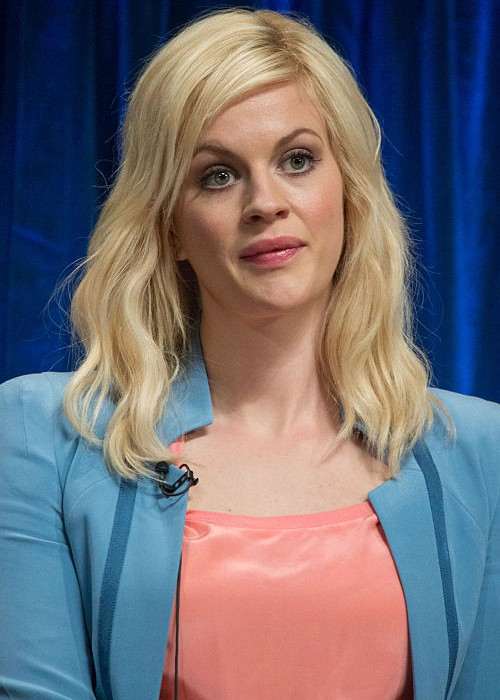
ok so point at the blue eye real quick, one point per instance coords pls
(216, 171)
(301, 155)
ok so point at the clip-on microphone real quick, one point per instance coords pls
(162, 468)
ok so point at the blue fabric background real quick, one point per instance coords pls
(430, 71)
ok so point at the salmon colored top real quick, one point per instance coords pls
(293, 606)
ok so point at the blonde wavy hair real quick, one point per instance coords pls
(134, 307)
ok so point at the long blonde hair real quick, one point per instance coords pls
(135, 307)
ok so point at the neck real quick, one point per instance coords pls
(263, 373)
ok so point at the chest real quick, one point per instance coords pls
(251, 477)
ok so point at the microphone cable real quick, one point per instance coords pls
(168, 490)
(177, 605)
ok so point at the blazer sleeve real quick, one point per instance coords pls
(480, 673)
(44, 653)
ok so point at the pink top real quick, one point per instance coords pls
(293, 606)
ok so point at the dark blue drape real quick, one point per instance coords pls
(430, 70)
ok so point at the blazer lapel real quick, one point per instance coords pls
(148, 581)
(403, 506)
(143, 558)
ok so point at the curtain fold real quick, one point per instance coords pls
(428, 69)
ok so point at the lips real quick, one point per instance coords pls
(271, 244)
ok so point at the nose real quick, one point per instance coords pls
(265, 201)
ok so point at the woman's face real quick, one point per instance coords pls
(260, 173)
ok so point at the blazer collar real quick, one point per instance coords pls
(190, 404)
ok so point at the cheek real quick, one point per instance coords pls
(328, 206)
(202, 236)
(326, 211)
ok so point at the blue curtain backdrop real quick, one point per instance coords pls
(430, 70)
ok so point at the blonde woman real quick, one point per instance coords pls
(250, 397)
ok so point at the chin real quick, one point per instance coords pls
(273, 306)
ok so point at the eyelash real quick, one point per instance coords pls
(298, 152)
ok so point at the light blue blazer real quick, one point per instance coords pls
(89, 562)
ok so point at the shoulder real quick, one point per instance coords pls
(467, 406)
(39, 399)
(470, 460)
(32, 421)
(477, 420)
(36, 397)
(43, 390)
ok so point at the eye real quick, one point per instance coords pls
(301, 155)
(215, 173)
(219, 174)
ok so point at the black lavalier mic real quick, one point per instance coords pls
(162, 469)
(169, 490)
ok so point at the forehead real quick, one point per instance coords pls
(266, 112)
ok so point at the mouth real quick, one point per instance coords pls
(270, 245)
(273, 258)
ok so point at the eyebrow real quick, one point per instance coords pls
(217, 148)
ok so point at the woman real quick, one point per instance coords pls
(245, 301)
